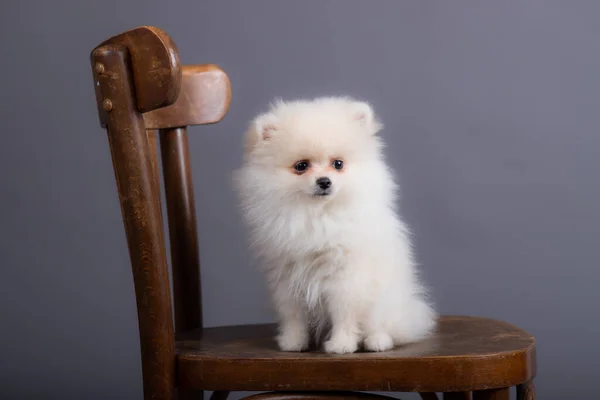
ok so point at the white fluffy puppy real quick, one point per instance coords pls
(319, 198)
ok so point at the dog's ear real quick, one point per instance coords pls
(266, 125)
(363, 113)
(261, 128)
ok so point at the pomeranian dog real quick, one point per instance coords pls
(320, 201)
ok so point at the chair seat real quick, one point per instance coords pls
(466, 353)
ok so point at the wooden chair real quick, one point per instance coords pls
(140, 88)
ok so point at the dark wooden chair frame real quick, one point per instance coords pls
(141, 89)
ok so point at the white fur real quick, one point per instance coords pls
(342, 261)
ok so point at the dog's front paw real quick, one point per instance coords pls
(379, 342)
(341, 344)
(293, 341)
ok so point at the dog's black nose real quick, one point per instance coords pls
(324, 183)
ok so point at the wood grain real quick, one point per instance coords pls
(204, 99)
(457, 396)
(152, 147)
(185, 259)
(526, 391)
(155, 66)
(138, 195)
(316, 396)
(467, 353)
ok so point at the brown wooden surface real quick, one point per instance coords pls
(183, 234)
(467, 353)
(152, 147)
(139, 200)
(526, 391)
(155, 66)
(316, 396)
(457, 396)
(204, 99)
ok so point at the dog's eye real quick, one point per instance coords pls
(338, 164)
(301, 166)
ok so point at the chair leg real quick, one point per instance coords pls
(526, 391)
(457, 396)
(189, 394)
(492, 394)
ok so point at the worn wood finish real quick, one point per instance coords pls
(152, 146)
(492, 394)
(204, 99)
(467, 353)
(153, 153)
(457, 396)
(526, 391)
(181, 212)
(316, 396)
(138, 195)
(155, 66)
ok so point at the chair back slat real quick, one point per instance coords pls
(181, 211)
(204, 99)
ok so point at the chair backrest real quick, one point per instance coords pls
(142, 89)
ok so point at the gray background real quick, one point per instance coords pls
(492, 117)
